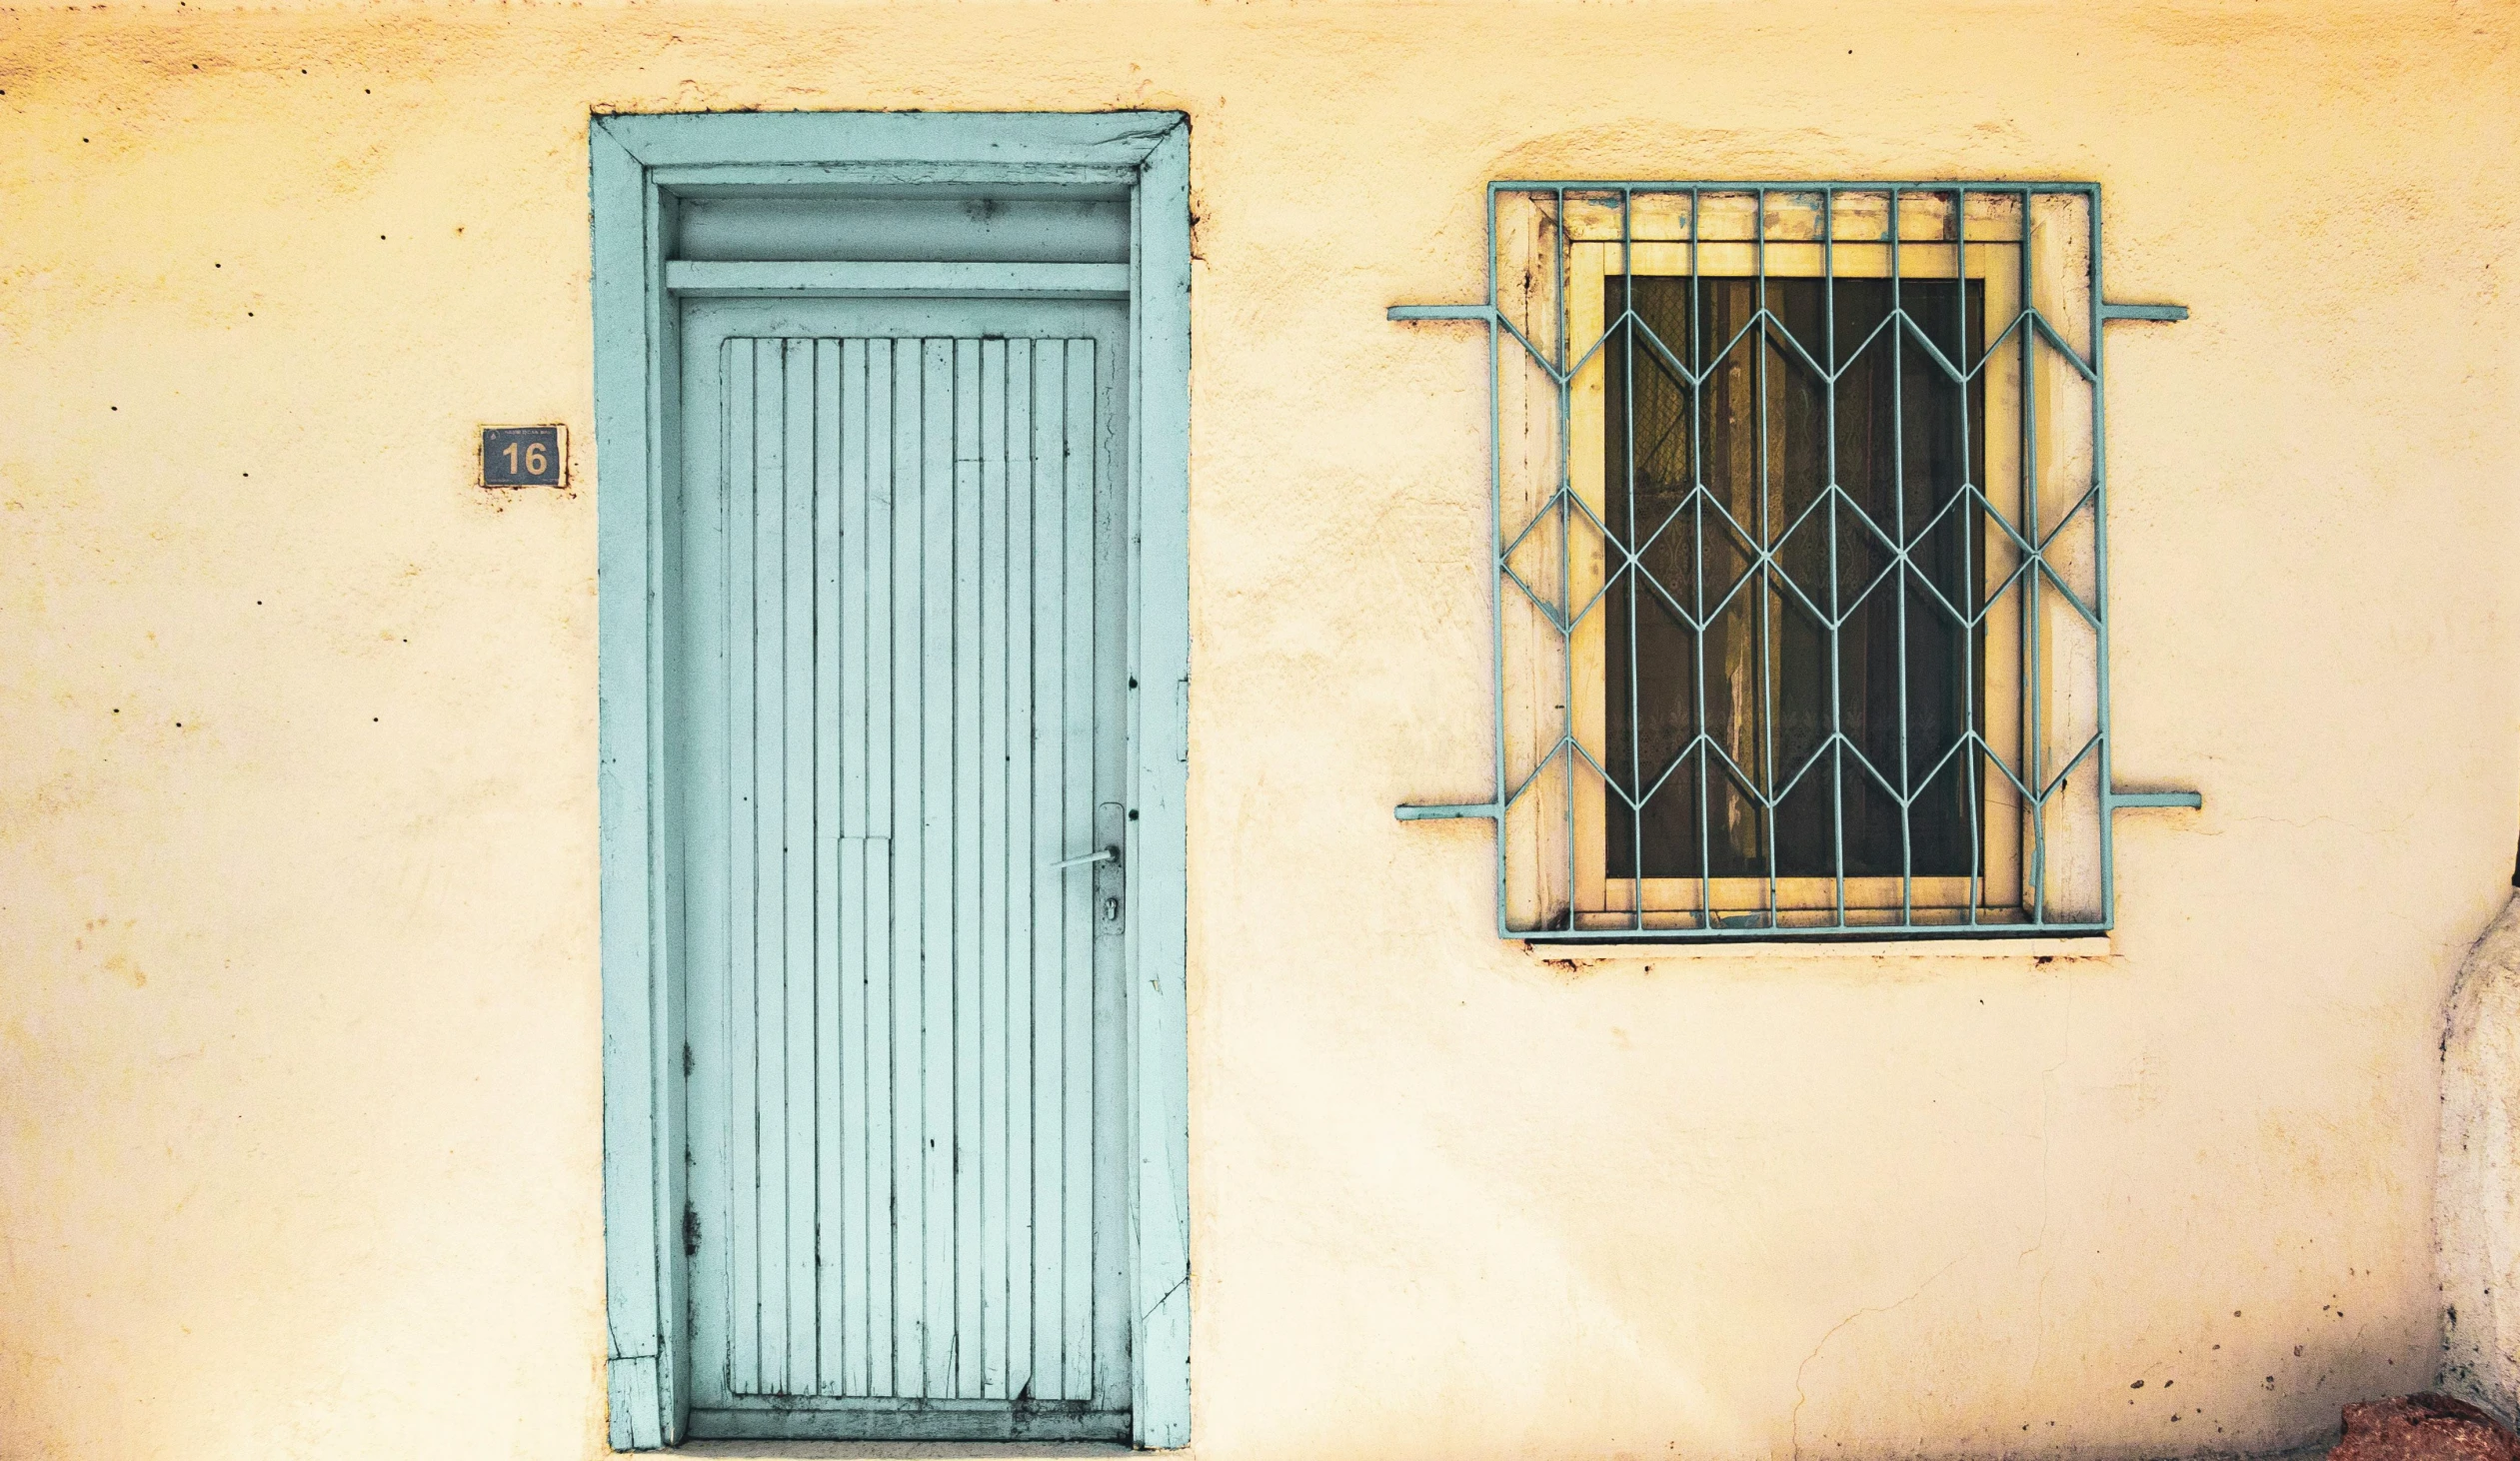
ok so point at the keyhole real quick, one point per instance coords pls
(1111, 911)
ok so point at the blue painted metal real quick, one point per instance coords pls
(1540, 344)
(1139, 1371)
(2134, 800)
(2168, 313)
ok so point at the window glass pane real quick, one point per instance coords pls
(1776, 683)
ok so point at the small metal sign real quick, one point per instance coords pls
(524, 455)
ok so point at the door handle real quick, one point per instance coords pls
(1104, 855)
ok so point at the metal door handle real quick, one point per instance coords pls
(1104, 855)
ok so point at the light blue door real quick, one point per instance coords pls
(898, 636)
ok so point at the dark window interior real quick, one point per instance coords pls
(1767, 679)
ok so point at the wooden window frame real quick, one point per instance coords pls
(637, 164)
(1605, 902)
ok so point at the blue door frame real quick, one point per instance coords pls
(639, 165)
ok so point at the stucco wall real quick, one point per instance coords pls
(297, 985)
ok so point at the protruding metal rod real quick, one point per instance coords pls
(2193, 800)
(2169, 314)
(1483, 314)
(1439, 812)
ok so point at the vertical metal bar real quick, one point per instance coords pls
(1496, 543)
(1704, 739)
(1965, 758)
(2024, 655)
(2099, 561)
(1566, 534)
(1768, 670)
(1636, 536)
(2033, 695)
(1836, 609)
(1906, 565)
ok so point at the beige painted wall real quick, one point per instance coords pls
(297, 984)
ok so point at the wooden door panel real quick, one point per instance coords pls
(902, 643)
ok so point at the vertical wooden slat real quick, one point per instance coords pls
(909, 874)
(936, 842)
(846, 1208)
(988, 851)
(824, 849)
(707, 546)
(1108, 1176)
(966, 835)
(1050, 843)
(875, 1220)
(770, 903)
(1077, 1017)
(1024, 865)
(744, 1238)
(871, 1317)
(840, 1243)
(797, 840)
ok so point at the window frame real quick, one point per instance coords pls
(1994, 266)
(1840, 907)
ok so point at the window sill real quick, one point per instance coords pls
(2091, 948)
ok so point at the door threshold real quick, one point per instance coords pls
(895, 1450)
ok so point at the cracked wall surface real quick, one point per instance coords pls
(299, 1027)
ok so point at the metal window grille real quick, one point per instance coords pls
(1801, 579)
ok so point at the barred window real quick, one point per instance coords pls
(1799, 559)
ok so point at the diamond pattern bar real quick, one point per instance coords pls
(1800, 564)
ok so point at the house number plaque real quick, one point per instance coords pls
(524, 455)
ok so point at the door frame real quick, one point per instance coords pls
(637, 164)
